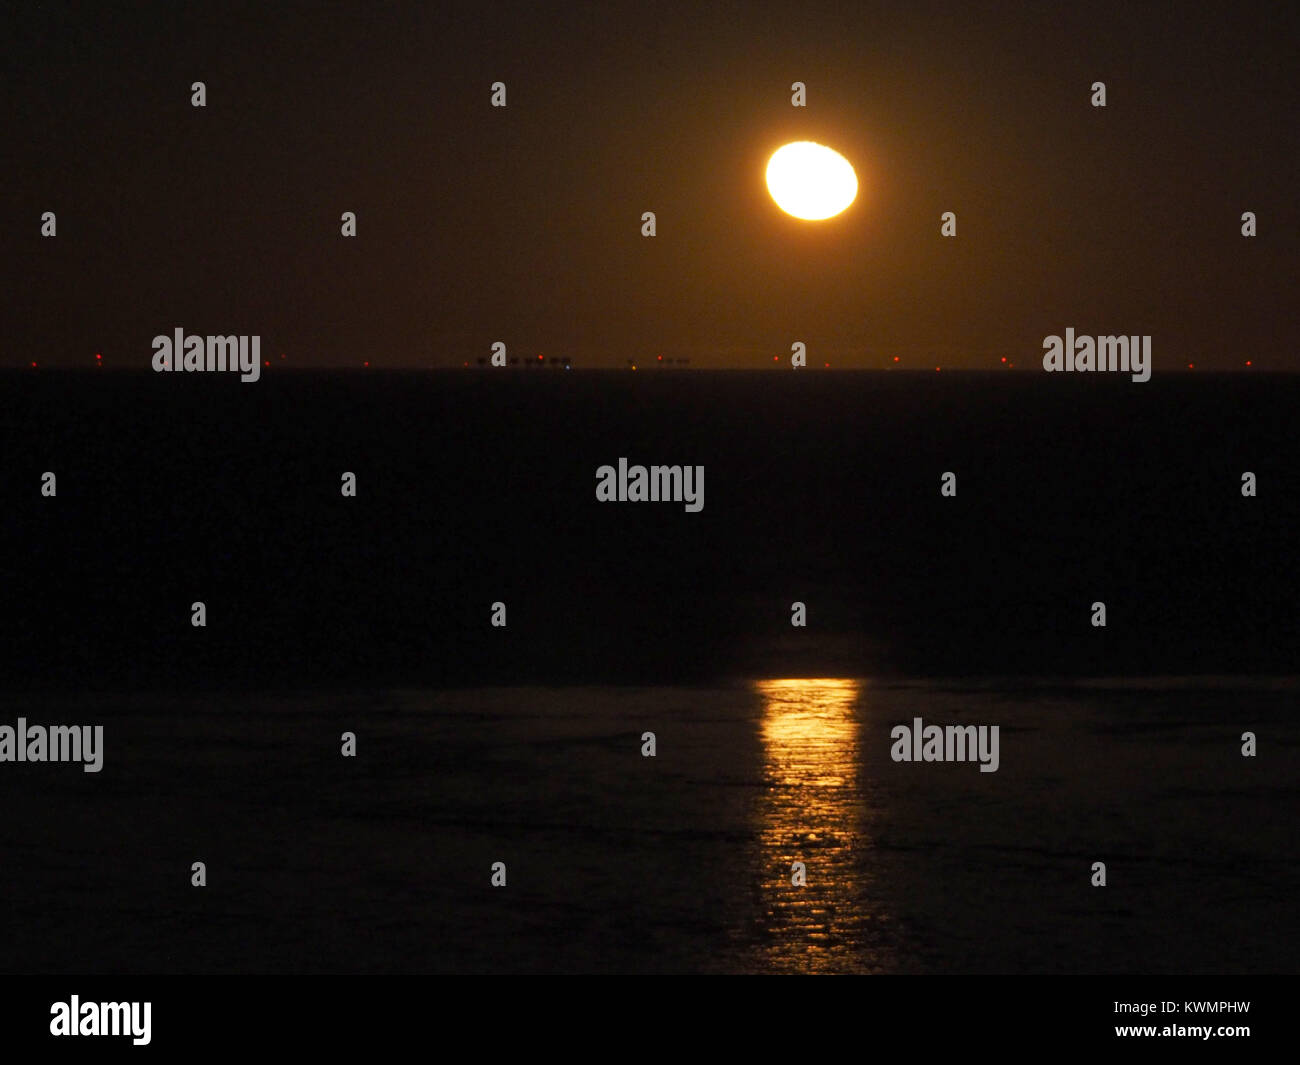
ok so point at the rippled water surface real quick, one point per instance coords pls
(680, 862)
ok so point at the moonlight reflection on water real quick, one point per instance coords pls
(813, 809)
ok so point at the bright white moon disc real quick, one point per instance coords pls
(811, 181)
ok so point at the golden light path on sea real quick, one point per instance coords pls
(813, 810)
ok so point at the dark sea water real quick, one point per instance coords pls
(677, 863)
(475, 488)
(523, 744)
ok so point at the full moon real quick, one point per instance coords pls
(811, 181)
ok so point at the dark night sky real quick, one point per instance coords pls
(523, 225)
